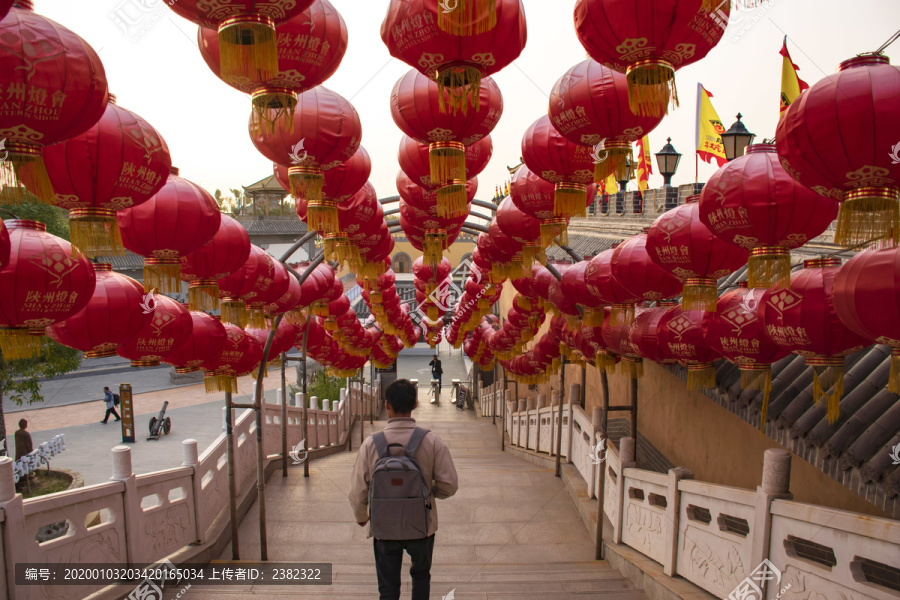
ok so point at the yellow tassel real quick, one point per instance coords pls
(322, 216)
(523, 303)
(255, 372)
(256, 317)
(869, 217)
(433, 312)
(699, 294)
(551, 229)
(448, 162)
(461, 85)
(758, 377)
(651, 87)
(306, 183)
(894, 378)
(220, 382)
(248, 49)
(768, 267)
(234, 312)
(203, 295)
(622, 314)
(605, 361)
(271, 105)
(594, 317)
(569, 200)
(24, 168)
(433, 248)
(330, 324)
(829, 377)
(452, 200)
(19, 343)
(633, 368)
(95, 232)
(617, 154)
(163, 275)
(296, 318)
(701, 377)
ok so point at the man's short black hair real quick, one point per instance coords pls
(401, 395)
(23, 423)
(106, 389)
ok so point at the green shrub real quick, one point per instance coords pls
(323, 387)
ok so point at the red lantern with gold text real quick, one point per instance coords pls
(361, 216)
(120, 162)
(311, 46)
(285, 335)
(112, 315)
(4, 245)
(43, 283)
(536, 197)
(618, 340)
(589, 106)
(633, 269)
(56, 89)
(248, 46)
(679, 242)
(802, 319)
(488, 41)
(202, 349)
(325, 133)
(288, 304)
(240, 355)
(835, 140)
(415, 162)
(602, 283)
(736, 332)
(865, 299)
(752, 202)
(179, 220)
(649, 41)
(680, 333)
(644, 334)
(268, 290)
(169, 327)
(222, 256)
(524, 229)
(243, 285)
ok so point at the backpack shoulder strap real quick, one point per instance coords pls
(381, 446)
(413, 445)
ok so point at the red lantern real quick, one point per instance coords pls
(835, 139)
(752, 202)
(325, 132)
(536, 197)
(589, 106)
(285, 336)
(202, 349)
(288, 304)
(649, 41)
(415, 161)
(602, 283)
(5, 5)
(679, 242)
(222, 256)
(736, 332)
(269, 289)
(169, 327)
(43, 283)
(241, 354)
(524, 229)
(632, 267)
(680, 333)
(112, 315)
(802, 319)
(248, 46)
(311, 46)
(574, 286)
(361, 215)
(179, 220)
(457, 64)
(56, 90)
(118, 163)
(4, 245)
(243, 285)
(644, 334)
(865, 299)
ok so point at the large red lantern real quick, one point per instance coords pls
(169, 327)
(680, 334)
(618, 340)
(589, 106)
(644, 334)
(43, 283)
(5, 5)
(415, 161)
(202, 349)
(536, 197)
(361, 215)
(241, 354)
(248, 45)
(225, 253)
(679, 242)
(269, 289)
(56, 89)
(243, 285)
(866, 301)
(311, 46)
(802, 319)
(118, 163)
(115, 313)
(282, 341)
(523, 228)
(602, 283)
(736, 332)
(179, 220)
(649, 41)
(4, 245)
(325, 132)
(569, 166)
(753, 203)
(457, 63)
(836, 139)
(632, 268)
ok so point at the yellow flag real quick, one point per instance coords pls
(644, 166)
(709, 129)
(791, 84)
(610, 186)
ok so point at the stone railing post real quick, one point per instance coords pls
(596, 438)
(14, 551)
(627, 461)
(775, 484)
(190, 457)
(541, 401)
(573, 399)
(673, 511)
(122, 471)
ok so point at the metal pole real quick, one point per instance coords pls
(372, 402)
(503, 413)
(305, 416)
(562, 397)
(599, 553)
(232, 486)
(284, 446)
(634, 414)
(494, 398)
(583, 384)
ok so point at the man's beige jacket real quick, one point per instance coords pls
(433, 457)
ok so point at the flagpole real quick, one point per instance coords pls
(697, 135)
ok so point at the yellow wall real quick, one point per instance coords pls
(454, 254)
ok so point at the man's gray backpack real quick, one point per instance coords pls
(399, 496)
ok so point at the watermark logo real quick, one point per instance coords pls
(733, 17)
(299, 453)
(598, 452)
(3, 153)
(448, 7)
(895, 454)
(148, 304)
(447, 293)
(450, 596)
(599, 148)
(751, 587)
(895, 154)
(750, 302)
(136, 17)
(295, 152)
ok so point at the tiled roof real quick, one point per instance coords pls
(270, 226)
(267, 183)
(129, 262)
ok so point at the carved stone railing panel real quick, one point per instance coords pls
(645, 526)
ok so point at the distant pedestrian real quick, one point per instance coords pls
(23, 440)
(436, 371)
(110, 405)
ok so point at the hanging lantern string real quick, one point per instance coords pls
(884, 46)
(9, 213)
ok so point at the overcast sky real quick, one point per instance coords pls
(160, 75)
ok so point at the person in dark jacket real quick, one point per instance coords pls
(24, 445)
(436, 371)
(110, 405)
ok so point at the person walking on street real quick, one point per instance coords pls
(110, 405)
(416, 462)
(24, 446)
(436, 371)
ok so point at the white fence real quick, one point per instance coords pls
(41, 456)
(713, 535)
(135, 519)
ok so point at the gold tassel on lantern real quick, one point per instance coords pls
(633, 368)
(701, 376)
(271, 105)
(248, 49)
(220, 382)
(203, 294)
(894, 378)
(19, 343)
(95, 232)
(462, 86)
(433, 247)
(604, 361)
(256, 317)
(453, 199)
(337, 247)
(616, 155)
(448, 162)
(434, 313)
(700, 293)
(553, 228)
(828, 374)
(322, 216)
(162, 275)
(651, 86)
(306, 183)
(569, 200)
(523, 303)
(24, 167)
(594, 317)
(622, 314)
(869, 216)
(758, 377)
(234, 312)
(330, 323)
(768, 267)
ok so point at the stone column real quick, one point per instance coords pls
(122, 471)
(775, 484)
(541, 401)
(673, 512)
(531, 403)
(190, 457)
(627, 461)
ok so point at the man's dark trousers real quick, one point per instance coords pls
(111, 411)
(389, 562)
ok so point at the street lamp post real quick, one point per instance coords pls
(736, 139)
(629, 174)
(667, 160)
